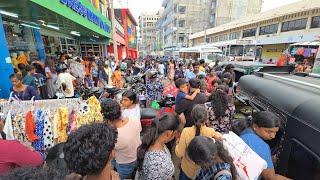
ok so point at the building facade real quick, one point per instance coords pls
(181, 18)
(274, 30)
(147, 25)
(130, 32)
(38, 29)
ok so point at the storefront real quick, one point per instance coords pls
(37, 29)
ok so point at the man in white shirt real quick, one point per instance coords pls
(65, 83)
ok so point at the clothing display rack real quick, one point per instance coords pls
(44, 123)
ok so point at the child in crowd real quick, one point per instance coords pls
(184, 91)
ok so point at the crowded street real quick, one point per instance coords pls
(159, 89)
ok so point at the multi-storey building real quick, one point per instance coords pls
(38, 29)
(274, 30)
(181, 18)
(147, 24)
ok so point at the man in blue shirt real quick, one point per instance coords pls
(196, 71)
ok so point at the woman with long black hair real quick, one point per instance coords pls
(200, 115)
(214, 160)
(221, 111)
(154, 158)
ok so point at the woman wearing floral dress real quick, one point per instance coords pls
(221, 111)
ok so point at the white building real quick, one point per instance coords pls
(147, 25)
(274, 29)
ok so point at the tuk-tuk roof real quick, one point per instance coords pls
(298, 101)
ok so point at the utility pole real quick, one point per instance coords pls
(113, 21)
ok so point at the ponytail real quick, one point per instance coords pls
(200, 115)
(148, 139)
(167, 122)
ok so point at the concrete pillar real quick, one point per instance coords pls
(6, 68)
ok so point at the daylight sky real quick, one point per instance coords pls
(138, 6)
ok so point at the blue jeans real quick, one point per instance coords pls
(183, 176)
(126, 171)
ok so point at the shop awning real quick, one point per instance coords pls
(312, 43)
(85, 20)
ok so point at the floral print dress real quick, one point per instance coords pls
(224, 124)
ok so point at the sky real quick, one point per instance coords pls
(138, 6)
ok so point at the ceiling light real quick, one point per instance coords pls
(9, 14)
(52, 27)
(27, 25)
(75, 33)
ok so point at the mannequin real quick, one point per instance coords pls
(14, 60)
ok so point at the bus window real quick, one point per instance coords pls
(302, 163)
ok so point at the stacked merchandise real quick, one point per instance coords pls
(44, 123)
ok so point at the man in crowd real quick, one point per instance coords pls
(185, 106)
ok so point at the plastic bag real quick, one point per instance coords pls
(249, 164)
(155, 105)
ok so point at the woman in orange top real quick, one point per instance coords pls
(117, 78)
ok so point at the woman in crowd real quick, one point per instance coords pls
(21, 91)
(94, 73)
(171, 70)
(228, 81)
(89, 151)
(214, 85)
(214, 160)
(221, 111)
(52, 77)
(210, 78)
(117, 78)
(154, 158)
(200, 115)
(128, 137)
(264, 127)
(130, 105)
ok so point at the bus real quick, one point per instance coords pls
(208, 53)
(239, 50)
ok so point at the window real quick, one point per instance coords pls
(270, 29)
(302, 163)
(181, 39)
(223, 37)
(294, 25)
(234, 35)
(249, 32)
(182, 9)
(315, 23)
(182, 23)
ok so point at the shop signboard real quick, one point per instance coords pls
(316, 66)
(81, 12)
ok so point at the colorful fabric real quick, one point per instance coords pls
(47, 132)
(39, 144)
(18, 123)
(62, 124)
(154, 90)
(30, 127)
(8, 129)
(170, 89)
(72, 122)
(222, 125)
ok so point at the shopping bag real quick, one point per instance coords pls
(249, 164)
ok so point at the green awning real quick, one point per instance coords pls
(88, 21)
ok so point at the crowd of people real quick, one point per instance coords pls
(118, 149)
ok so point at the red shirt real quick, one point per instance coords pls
(170, 89)
(13, 154)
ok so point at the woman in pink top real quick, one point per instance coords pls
(13, 154)
(128, 138)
